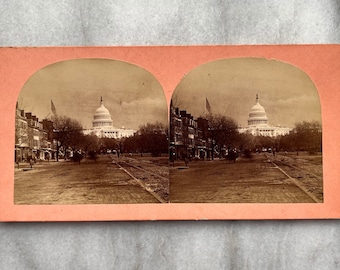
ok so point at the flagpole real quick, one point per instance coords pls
(207, 107)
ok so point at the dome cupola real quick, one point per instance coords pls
(102, 117)
(257, 115)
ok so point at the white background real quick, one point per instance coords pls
(173, 244)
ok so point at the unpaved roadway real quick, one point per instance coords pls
(246, 181)
(65, 182)
(259, 180)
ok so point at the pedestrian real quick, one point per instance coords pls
(31, 162)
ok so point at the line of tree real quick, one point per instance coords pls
(150, 138)
(68, 134)
(306, 136)
(223, 131)
(153, 137)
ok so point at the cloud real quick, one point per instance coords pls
(231, 85)
(76, 86)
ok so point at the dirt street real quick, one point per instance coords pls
(65, 182)
(246, 181)
(263, 179)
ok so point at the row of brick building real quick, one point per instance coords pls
(189, 137)
(33, 138)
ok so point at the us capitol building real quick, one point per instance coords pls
(103, 125)
(258, 123)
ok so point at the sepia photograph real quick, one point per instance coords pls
(96, 131)
(246, 130)
(91, 131)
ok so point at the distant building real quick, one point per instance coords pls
(21, 135)
(33, 139)
(36, 140)
(188, 136)
(258, 123)
(102, 125)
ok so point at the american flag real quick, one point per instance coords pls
(207, 105)
(53, 109)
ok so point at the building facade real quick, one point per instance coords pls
(33, 139)
(102, 125)
(258, 124)
(188, 136)
(194, 137)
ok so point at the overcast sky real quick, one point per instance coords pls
(230, 85)
(132, 95)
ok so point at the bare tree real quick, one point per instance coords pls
(153, 138)
(68, 133)
(305, 136)
(89, 143)
(222, 131)
(308, 135)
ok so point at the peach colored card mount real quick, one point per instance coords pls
(169, 133)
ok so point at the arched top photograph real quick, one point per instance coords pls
(85, 121)
(262, 117)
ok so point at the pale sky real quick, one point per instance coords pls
(230, 85)
(131, 94)
(134, 97)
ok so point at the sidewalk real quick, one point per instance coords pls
(37, 164)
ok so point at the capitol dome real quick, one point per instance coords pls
(257, 115)
(102, 117)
